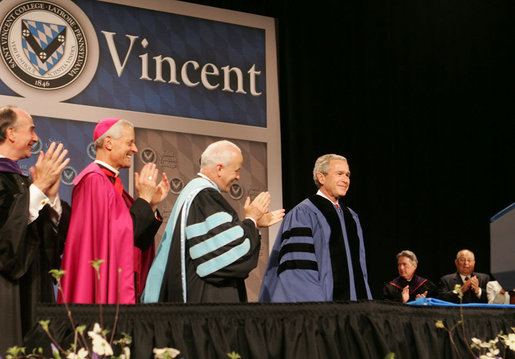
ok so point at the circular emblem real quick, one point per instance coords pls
(148, 155)
(36, 147)
(235, 191)
(46, 46)
(176, 185)
(91, 151)
(68, 175)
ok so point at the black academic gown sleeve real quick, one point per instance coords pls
(145, 223)
(15, 252)
(27, 253)
(219, 255)
(393, 292)
(228, 236)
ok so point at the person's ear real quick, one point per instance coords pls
(219, 167)
(10, 134)
(321, 178)
(108, 143)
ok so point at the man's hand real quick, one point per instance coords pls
(146, 182)
(421, 295)
(271, 218)
(46, 173)
(259, 211)
(258, 207)
(147, 187)
(472, 283)
(405, 294)
(163, 188)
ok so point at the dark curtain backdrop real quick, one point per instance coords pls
(418, 95)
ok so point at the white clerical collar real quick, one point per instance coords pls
(321, 194)
(110, 168)
(208, 179)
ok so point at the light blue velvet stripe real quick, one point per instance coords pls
(224, 260)
(216, 242)
(213, 221)
(155, 275)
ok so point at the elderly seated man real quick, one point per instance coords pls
(472, 284)
(407, 286)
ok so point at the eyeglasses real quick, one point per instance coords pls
(463, 260)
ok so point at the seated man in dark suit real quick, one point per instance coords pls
(408, 286)
(473, 284)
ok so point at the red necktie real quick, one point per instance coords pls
(469, 292)
(118, 185)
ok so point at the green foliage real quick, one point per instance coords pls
(99, 347)
(234, 355)
(57, 274)
(96, 265)
(488, 349)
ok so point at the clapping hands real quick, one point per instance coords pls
(46, 173)
(147, 186)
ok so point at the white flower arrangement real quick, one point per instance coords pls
(485, 350)
(99, 346)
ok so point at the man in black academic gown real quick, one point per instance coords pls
(408, 286)
(33, 224)
(206, 251)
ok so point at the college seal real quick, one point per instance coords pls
(46, 47)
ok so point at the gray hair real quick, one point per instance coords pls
(8, 118)
(465, 250)
(114, 132)
(322, 165)
(408, 254)
(220, 152)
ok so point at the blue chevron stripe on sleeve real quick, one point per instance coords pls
(199, 229)
(216, 242)
(224, 259)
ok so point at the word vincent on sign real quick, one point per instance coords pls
(191, 73)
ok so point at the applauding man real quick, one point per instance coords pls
(33, 224)
(107, 224)
(472, 284)
(207, 251)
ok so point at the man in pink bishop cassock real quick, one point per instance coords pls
(108, 224)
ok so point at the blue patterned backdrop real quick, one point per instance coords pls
(182, 38)
(77, 138)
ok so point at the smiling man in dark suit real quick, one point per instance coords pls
(473, 284)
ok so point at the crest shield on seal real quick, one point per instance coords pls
(43, 43)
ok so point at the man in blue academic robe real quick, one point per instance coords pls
(319, 253)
